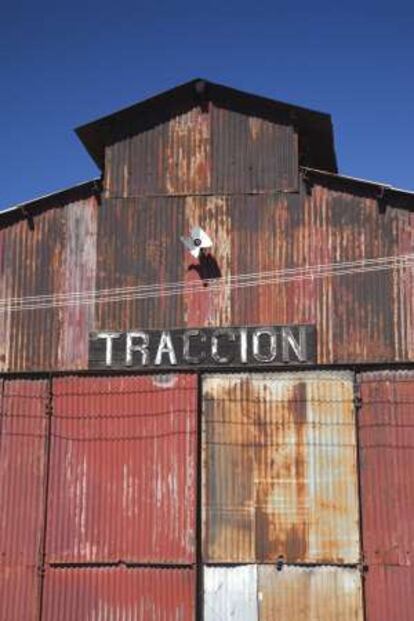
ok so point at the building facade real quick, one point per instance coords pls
(181, 444)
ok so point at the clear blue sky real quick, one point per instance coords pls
(67, 63)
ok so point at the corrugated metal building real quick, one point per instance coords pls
(208, 491)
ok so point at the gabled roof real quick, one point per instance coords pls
(316, 138)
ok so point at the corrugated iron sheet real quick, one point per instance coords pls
(22, 484)
(136, 241)
(172, 157)
(387, 466)
(205, 149)
(280, 477)
(109, 594)
(389, 593)
(230, 593)
(262, 593)
(387, 486)
(78, 274)
(155, 256)
(19, 593)
(54, 254)
(252, 154)
(123, 470)
(310, 594)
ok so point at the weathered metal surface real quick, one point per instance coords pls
(123, 470)
(139, 244)
(252, 154)
(19, 593)
(128, 242)
(170, 158)
(389, 593)
(204, 150)
(208, 307)
(387, 467)
(54, 253)
(22, 483)
(230, 593)
(280, 475)
(34, 259)
(310, 594)
(78, 274)
(109, 594)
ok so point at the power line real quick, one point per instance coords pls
(139, 292)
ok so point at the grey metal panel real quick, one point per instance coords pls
(230, 593)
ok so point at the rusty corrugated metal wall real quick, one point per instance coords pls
(23, 459)
(123, 468)
(119, 594)
(279, 464)
(387, 486)
(280, 476)
(81, 247)
(262, 593)
(216, 151)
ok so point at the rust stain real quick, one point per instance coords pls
(310, 594)
(290, 443)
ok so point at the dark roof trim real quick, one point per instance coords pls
(315, 127)
(62, 197)
(380, 191)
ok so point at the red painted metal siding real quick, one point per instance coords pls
(389, 593)
(22, 483)
(109, 594)
(387, 485)
(123, 470)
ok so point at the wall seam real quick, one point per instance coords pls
(42, 548)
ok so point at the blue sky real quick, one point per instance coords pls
(64, 64)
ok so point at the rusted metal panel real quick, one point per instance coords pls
(78, 274)
(230, 593)
(310, 594)
(389, 593)
(208, 307)
(139, 244)
(280, 475)
(106, 594)
(123, 470)
(22, 484)
(252, 154)
(35, 256)
(136, 241)
(172, 157)
(387, 467)
(6, 277)
(403, 293)
(47, 255)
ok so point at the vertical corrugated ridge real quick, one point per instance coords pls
(119, 594)
(387, 484)
(22, 472)
(290, 455)
(122, 484)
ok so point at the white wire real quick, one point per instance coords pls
(229, 279)
(231, 282)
